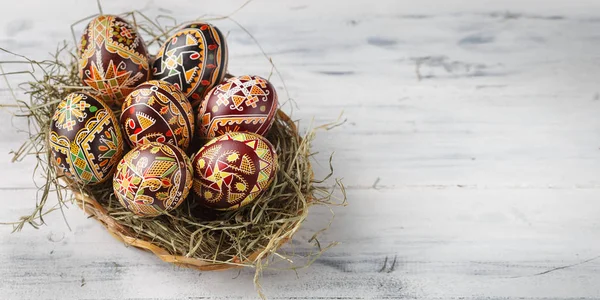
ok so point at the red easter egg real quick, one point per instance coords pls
(243, 103)
(234, 169)
(157, 111)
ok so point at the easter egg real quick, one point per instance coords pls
(152, 179)
(244, 103)
(234, 169)
(194, 59)
(113, 58)
(85, 138)
(157, 111)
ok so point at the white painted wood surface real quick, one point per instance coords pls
(486, 169)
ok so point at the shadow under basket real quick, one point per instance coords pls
(222, 240)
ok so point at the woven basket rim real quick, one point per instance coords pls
(95, 210)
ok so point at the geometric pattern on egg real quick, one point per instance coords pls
(157, 111)
(243, 103)
(233, 170)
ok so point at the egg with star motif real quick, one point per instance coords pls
(85, 139)
(233, 170)
(157, 111)
(152, 179)
(194, 59)
(113, 58)
(243, 103)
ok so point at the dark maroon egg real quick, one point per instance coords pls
(113, 58)
(157, 111)
(85, 139)
(234, 169)
(152, 179)
(193, 59)
(244, 103)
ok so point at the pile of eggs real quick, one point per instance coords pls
(168, 102)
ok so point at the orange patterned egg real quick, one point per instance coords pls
(152, 179)
(113, 58)
(85, 139)
(244, 103)
(157, 111)
(233, 170)
(194, 59)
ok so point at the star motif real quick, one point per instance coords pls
(127, 183)
(218, 175)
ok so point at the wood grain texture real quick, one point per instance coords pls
(470, 152)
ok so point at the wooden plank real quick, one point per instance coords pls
(461, 243)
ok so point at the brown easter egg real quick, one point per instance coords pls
(153, 178)
(157, 111)
(234, 169)
(193, 59)
(243, 103)
(85, 138)
(113, 59)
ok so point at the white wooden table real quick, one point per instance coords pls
(471, 152)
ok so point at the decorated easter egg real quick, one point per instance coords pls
(234, 169)
(157, 111)
(113, 59)
(85, 139)
(194, 59)
(153, 178)
(244, 103)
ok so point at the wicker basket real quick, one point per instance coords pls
(95, 209)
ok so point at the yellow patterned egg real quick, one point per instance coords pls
(157, 111)
(85, 139)
(113, 58)
(153, 178)
(233, 170)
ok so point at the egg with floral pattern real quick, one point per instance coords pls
(152, 179)
(113, 58)
(243, 103)
(85, 138)
(233, 170)
(194, 59)
(157, 111)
